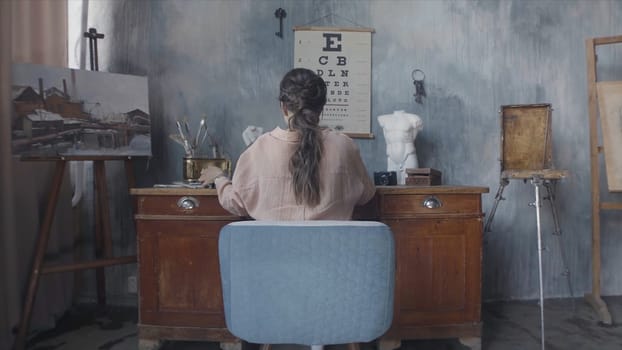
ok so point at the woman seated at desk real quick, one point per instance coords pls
(303, 173)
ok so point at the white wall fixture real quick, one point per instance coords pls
(251, 133)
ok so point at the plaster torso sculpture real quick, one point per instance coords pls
(400, 130)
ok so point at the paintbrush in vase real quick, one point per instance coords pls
(184, 137)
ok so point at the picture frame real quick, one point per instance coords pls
(342, 57)
(610, 110)
(62, 112)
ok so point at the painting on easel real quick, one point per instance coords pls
(610, 107)
(67, 112)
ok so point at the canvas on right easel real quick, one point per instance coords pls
(610, 108)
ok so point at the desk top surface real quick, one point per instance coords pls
(151, 191)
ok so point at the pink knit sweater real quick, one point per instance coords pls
(262, 185)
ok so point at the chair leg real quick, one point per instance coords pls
(265, 347)
(354, 346)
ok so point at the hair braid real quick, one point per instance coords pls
(303, 92)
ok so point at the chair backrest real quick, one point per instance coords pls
(307, 282)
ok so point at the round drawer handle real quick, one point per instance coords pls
(188, 203)
(432, 203)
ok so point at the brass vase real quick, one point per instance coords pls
(192, 167)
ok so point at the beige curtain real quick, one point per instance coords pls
(8, 311)
(40, 32)
(33, 31)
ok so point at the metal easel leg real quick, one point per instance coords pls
(550, 189)
(498, 197)
(536, 181)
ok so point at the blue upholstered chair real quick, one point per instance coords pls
(307, 282)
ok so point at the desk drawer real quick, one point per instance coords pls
(180, 205)
(430, 204)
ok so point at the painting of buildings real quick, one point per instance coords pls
(64, 112)
(25, 101)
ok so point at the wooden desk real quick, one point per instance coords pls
(438, 236)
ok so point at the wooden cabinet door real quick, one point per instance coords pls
(438, 277)
(179, 273)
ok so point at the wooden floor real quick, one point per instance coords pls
(569, 324)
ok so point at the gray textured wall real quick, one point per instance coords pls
(221, 58)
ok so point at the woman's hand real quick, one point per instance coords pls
(209, 174)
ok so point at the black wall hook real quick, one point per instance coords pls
(280, 14)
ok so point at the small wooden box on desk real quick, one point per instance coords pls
(438, 236)
(423, 177)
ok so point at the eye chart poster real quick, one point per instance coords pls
(342, 57)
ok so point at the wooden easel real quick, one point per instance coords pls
(526, 154)
(594, 298)
(103, 237)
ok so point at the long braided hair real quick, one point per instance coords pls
(304, 93)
